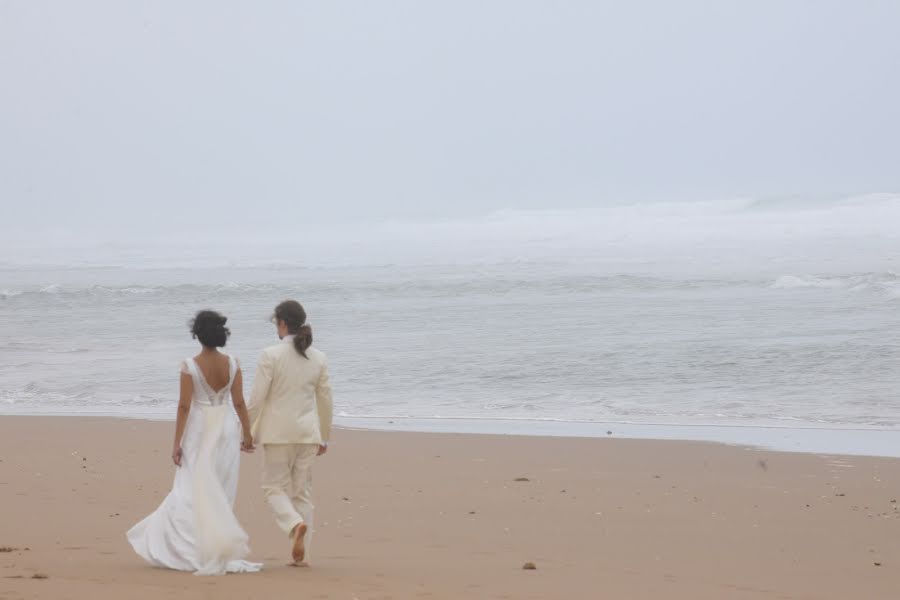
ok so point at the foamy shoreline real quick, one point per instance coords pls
(850, 441)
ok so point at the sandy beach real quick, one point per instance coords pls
(404, 515)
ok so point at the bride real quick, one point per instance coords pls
(194, 529)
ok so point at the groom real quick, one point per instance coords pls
(290, 411)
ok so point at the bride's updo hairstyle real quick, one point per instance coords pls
(294, 317)
(208, 327)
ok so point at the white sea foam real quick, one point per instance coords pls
(887, 283)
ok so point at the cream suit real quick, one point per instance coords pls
(290, 414)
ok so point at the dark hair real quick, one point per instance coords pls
(294, 317)
(208, 326)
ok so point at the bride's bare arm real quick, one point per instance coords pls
(184, 409)
(237, 398)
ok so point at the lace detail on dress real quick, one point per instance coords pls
(212, 396)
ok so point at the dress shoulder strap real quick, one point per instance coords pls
(189, 367)
(233, 366)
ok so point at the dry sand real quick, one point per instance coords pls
(404, 515)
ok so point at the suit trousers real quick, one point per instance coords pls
(287, 485)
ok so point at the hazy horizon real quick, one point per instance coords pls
(170, 116)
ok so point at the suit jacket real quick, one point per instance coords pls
(291, 398)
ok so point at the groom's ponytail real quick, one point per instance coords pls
(303, 340)
(293, 315)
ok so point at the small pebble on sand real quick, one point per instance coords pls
(530, 566)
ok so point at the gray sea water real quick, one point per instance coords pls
(732, 313)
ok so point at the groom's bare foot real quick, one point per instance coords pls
(298, 552)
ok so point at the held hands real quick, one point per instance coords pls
(246, 446)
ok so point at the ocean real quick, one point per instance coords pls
(735, 313)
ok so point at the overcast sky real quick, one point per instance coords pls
(221, 113)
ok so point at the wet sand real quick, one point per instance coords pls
(405, 515)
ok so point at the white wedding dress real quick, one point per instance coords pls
(195, 529)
